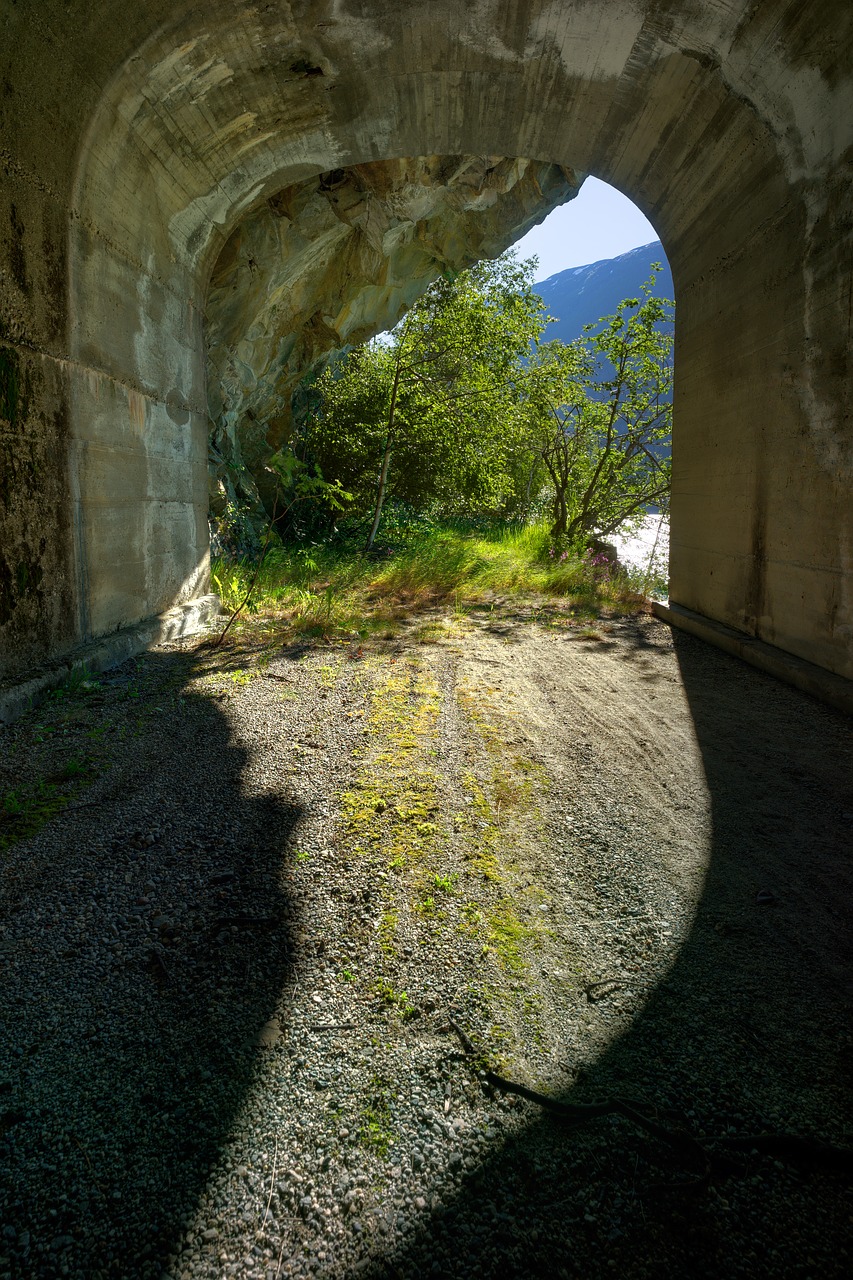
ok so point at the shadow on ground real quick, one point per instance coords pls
(750, 1033)
(126, 1064)
(146, 939)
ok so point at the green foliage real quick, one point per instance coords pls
(375, 1131)
(79, 683)
(236, 532)
(299, 483)
(447, 883)
(25, 809)
(598, 414)
(338, 591)
(397, 1000)
(435, 402)
(464, 409)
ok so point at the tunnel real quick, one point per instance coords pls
(197, 203)
(137, 145)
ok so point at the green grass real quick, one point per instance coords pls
(25, 809)
(338, 591)
(375, 1132)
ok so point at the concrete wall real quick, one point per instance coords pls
(134, 138)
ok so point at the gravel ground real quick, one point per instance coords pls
(244, 891)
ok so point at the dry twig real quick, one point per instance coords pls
(789, 1146)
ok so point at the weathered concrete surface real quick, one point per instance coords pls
(175, 624)
(331, 261)
(136, 137)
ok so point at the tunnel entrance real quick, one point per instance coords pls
(326, 264)
(211, 118)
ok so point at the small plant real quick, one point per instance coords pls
(328, 676)
(398, 1000)
(447, 884)
(13, 804)
(426, 908)
(387, 931)
(24, 810)
(375, 1132)
(302, 855)
(73, 768)
(242, 675)
(79, 682)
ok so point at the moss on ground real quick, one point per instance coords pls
(447, 852)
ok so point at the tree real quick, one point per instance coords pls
(599, 413)
(439, 398)
(465, 409)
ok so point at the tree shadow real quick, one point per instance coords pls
(148, 937)
(748, 1033)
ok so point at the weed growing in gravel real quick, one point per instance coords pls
(447, 884)
(398, 1000)
(502, 816)
(392, 816)
(338, 591)
(243, 675)
(387, 932)
(510, 939)
(26, 808)
(329, 676)
(375, 1132)
(395, 795)
(79, 683)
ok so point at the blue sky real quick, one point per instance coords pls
(599, 223)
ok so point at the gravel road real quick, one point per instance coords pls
(244, 892)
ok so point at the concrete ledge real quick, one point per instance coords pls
(834, 690)
(109, 651)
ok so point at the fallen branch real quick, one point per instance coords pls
(790, 1146)
(581, 1112)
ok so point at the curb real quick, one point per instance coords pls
(836, 691)
(109, 651)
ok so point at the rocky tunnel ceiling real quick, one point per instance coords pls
(331, 261)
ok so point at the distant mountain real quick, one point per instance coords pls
(583, 295)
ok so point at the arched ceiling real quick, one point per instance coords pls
(329, 262)
(136, 138)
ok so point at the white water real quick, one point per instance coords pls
(644, 545)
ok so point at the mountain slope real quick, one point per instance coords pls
(582, 295)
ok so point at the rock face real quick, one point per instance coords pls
(329, 262)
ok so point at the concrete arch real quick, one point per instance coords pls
(730, 126)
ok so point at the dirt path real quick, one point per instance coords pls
(243, 893)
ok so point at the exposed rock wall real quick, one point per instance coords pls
(328, 263)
